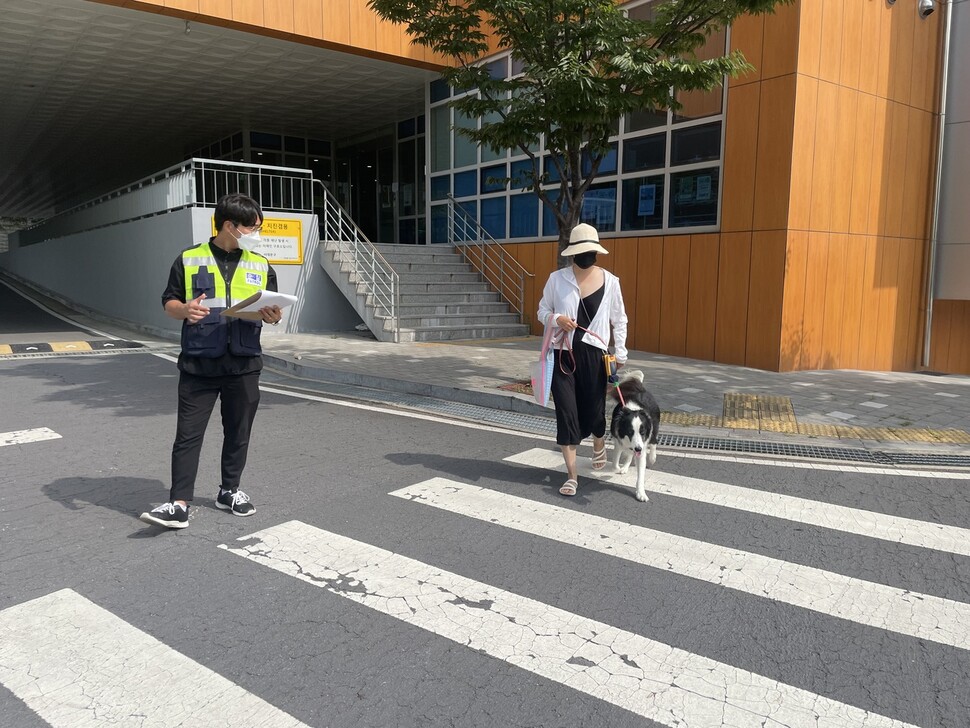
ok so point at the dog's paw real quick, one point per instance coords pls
(623, 469)
(642, 497)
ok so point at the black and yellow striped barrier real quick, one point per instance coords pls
(68, 347)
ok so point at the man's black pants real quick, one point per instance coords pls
(239, 395)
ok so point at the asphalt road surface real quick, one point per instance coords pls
(402, 570)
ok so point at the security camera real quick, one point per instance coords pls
(926, 8)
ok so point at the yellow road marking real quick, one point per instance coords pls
(70, 346)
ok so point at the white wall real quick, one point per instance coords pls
(953, 239)
(120, 272)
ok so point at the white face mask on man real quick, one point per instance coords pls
(247, 241)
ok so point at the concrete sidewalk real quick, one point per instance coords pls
(881, 412)
(893, 410)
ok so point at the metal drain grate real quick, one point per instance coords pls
(814, 452)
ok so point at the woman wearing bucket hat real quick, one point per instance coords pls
(582, 301)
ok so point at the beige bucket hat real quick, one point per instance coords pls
(584, 239)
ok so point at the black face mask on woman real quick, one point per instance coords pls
(585, 260)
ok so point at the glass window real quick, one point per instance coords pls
(645, 119)
(265, 141)
(407, 195)
(419, 181)
(550, 169)
(693, 198)
(647, 152)
(466, 219)
(523, 216)
(237, 141)
(440, 187)
(498, 69)
(466, 183)
(439, 223)
(518, 66)
(271, 159)
(440, 139)
(294, 144)
(493, 178)
(607, 166)
(321, 169)
(549, 225)
(296, 161)
(643, 203)
(405, 129)
(421, 124)
(695, 144)
(489, 154)
(225, 147)
(318, 147)
(406, 231)
(439, 90)
(493, 216)
(599, 207)
(522, 174)
(466, 151)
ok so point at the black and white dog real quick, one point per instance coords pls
(635, 426)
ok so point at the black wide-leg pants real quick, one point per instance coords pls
(239, 395)
(579, 396)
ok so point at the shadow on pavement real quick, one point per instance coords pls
(127, 496)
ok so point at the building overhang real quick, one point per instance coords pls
(96, 95)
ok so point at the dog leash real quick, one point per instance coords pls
(612, 378)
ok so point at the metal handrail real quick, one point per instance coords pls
(341, 235)
(494, 262)
(195, 182)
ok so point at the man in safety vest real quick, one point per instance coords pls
(221, 356)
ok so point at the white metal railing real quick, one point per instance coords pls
(341, 235)
(193, 183)
(487, 256)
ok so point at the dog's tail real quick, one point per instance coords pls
(631, 384)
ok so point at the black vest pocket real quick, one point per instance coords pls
(206, 339)
(244, 337)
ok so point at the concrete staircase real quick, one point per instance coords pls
(444, 298)
(441, 298)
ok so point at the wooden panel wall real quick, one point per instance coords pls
(688, 295)
(346, 25)
(861, 186)
(950, 342)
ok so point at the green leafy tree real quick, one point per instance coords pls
(586, 64)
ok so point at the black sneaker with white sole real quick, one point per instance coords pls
(167, 515)
(235, 501)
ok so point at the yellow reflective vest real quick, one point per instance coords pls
(214, 335)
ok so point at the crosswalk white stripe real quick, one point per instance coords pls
(898, 610)
(22, 437)
(936, 536)
(77, 665)
(665, 684)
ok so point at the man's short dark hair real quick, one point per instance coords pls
(237, 208)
